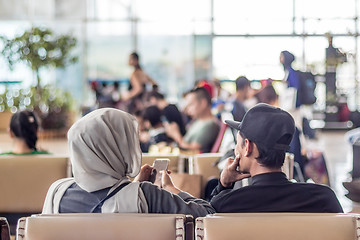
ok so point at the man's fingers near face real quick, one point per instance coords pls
(234, 163)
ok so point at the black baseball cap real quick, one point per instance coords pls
(269, 127)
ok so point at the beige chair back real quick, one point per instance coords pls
(148, 158)
(112, 226)
(204, 166)
(25, 180)
(279, 226)
(288, 166)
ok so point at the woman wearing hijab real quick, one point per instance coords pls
(104, 152)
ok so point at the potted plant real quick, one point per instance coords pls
(53, 106)
(40, 48)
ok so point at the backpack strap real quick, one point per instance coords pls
(97, 208)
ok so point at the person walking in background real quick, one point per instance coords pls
(137, 87)
(291, 76)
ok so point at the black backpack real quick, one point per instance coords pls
(306, 91)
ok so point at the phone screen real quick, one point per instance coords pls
(160, 164)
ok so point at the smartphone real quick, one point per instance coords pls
(160, 164)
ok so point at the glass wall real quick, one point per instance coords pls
(181, 41)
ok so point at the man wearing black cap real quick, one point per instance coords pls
(263, 138)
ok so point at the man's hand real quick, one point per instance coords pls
(230, 174)
(144, 174)
(167, 183)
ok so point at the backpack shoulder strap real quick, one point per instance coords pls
(97, 208)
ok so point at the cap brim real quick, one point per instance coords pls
(233, 124)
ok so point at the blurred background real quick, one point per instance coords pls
(181, 42)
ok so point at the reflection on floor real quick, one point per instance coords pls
(338, 154)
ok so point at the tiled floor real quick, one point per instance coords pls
(338, 154)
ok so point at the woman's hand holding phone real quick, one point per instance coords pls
(158, 166)
(231, 174)
(144, 174)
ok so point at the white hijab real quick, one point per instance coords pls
(104, 152)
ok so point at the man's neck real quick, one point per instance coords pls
(240, 96)
(261, 170)
(206, 115)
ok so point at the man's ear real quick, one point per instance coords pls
(249, 147)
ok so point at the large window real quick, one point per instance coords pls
(181, 41)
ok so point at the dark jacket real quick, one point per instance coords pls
(273, 192)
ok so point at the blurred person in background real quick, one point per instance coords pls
(203, 129)
(221, 96)
(291, 76)
(23, 131)
(156, 130)
(241, 95)
(170, 112)
(137, 87)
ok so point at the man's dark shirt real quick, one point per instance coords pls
(273, 192)
(238, 111)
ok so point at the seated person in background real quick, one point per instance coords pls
(242, 89)
(152, 121)
(23, 131)
(202, 133)
(264, 136)
(143, 133)
(169, 111)
(104, 152)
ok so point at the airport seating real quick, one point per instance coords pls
(106, 227)
(24, 182)
(215, 148)
(4, 229)
(205, 165)
(288, 166)
(279, 226)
